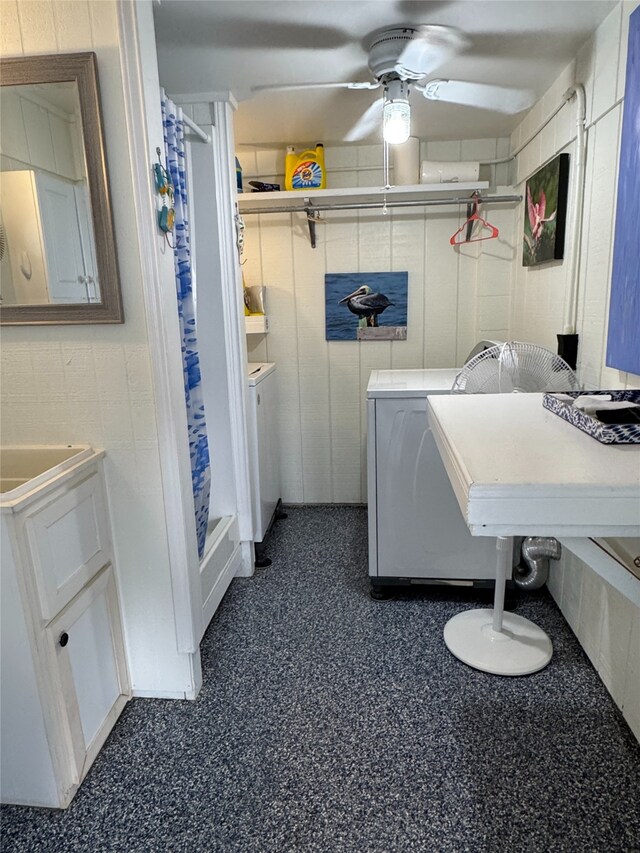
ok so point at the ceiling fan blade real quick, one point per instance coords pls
(290, 87)
(430, 48)
(367, 123)
(485, 96)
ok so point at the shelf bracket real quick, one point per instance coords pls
(313, 216)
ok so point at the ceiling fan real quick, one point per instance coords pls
(401, 58)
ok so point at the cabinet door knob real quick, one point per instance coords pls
(63, 639)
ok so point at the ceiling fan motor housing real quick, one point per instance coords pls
(385, 51)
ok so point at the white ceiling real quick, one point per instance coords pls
(219, 45)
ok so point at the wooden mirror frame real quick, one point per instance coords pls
(82, 69)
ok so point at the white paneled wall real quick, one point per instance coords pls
(92, 384)
(456, 296)
(37, 135)
(539, 293)
(607, 624)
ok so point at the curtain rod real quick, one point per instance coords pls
(309, 207)
(196, 129)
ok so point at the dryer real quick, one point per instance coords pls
(416, 530)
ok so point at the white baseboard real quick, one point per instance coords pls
(162, 694)
(247, 566)
(220, 586)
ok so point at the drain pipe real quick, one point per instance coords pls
(536, 552)
(568, 340)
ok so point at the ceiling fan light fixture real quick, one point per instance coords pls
(396, 115)
(397, 122)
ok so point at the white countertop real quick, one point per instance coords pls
(410, 383)
(518, 469)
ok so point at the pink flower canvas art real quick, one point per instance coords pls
(545, 213)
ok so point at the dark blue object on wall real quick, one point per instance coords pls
(623, 341)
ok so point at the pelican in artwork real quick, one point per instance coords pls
(366, 305)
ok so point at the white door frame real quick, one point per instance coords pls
(144, 124)
(233, 306)
(142, 94)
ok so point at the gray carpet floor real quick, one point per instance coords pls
(330, 723)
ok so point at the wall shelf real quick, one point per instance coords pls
(264, 202)
(256, 324)
(312, 203)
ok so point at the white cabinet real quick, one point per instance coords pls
(68, 539)
(86, 639)
(64, 669)
(262, 416)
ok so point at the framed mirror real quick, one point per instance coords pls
(58, 260)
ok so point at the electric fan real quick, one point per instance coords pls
(492, 640)
(515, 366)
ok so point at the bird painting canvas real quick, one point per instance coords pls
(366, 306)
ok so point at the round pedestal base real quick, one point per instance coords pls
(519, 649)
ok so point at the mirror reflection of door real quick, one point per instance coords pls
(49, 252)
(68, 255)
(24, 275)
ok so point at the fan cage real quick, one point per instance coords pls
(515, 367)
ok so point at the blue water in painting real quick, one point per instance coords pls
(623, 341)
(341, 324)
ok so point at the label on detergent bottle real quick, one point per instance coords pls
(238, 176)
(306, 171)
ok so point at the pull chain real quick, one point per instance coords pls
(385, 170)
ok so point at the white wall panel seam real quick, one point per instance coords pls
(457, 332)
(604, 114)
(424, 282)
(295, 317)
(52, 45)
(58, 24)
(329, 406)
(20, 27)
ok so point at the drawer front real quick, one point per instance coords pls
(69, 540)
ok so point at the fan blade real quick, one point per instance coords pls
(430, 48)
(290, 87)
(501, 99)
(367, 123)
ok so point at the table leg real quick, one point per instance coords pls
(504, 547)
(494, 641)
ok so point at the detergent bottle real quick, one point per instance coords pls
(238, 176)
(305, 171)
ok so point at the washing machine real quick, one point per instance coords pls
(416, 531)
(264, 467)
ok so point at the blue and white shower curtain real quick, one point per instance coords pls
(198, 443)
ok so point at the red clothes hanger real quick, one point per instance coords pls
(470, 222)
